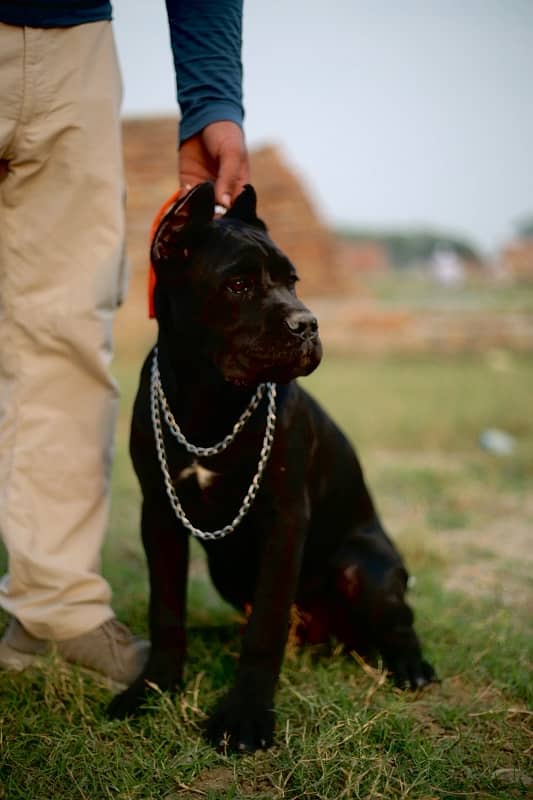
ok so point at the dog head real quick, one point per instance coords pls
(224, 292)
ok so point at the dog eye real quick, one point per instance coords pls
(239, 285)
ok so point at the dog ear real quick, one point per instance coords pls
(244, 208)
(197, 207)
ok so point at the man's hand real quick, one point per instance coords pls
(217, 153)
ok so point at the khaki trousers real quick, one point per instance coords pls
(61, 271)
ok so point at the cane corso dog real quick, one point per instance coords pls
(229, 448)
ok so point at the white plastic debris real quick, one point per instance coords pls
(497, 441)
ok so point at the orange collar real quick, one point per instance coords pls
(155, 224)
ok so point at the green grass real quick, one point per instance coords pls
(342, 731)
(417, 290)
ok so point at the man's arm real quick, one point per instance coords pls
(206, 43)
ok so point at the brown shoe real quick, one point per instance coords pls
(110, 650)
(19, 649)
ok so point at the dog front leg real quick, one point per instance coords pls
(167, 551)
(244, 719)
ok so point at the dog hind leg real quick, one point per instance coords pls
(370, 583)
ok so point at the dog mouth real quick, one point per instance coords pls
(277, 366)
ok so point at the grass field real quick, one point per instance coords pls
(462, 517)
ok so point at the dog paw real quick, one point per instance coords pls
(410, 671)
(128, 703)
(239, 726)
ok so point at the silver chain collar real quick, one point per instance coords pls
(176, 430)
(158, 399)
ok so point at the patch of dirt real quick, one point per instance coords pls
(496, 559)
(217, 779)
(493, 558)
(220, 780)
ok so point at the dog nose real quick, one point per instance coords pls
(302, 324)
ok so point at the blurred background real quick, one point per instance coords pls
(412, 114)
(391, 149)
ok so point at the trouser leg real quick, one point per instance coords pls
(61, 262)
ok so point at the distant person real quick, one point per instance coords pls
(446, 266)
(62, 276)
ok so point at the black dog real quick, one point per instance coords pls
(283, 499)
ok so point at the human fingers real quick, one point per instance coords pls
(225, 146)
(194, 163)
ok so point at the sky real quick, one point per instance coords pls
(394, 115)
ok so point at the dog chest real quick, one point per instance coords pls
(204, 477)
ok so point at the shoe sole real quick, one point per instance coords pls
(12, 660)
(15, 660)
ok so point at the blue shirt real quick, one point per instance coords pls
(205, 37)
